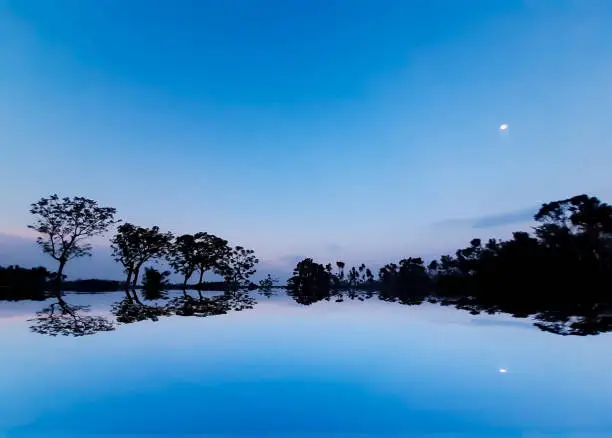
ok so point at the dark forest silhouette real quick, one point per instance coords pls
(560, 275)
(17, 283)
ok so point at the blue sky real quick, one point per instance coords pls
(361, 130)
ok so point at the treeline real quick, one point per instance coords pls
(66, 225)
(561, 274)
(17, 283)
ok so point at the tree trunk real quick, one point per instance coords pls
(200, 281)
(136, 297)
(58, 278)
(136, 271)
(128, 281)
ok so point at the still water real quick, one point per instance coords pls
(351, 369)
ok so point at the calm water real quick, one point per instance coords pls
(352, 369)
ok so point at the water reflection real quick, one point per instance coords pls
(60, 316)
(131, 309)
(564, 323)
(202, 306)
(373, 368)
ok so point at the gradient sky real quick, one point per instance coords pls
(350, 129)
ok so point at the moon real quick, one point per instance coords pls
(503, 370)
(503, 127)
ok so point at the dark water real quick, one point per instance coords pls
(351, 369)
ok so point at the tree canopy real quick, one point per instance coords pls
(237, 266)
(133, 246)
(66, 225)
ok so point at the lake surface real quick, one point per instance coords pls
(350, 369)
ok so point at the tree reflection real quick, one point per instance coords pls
(237, 300)
(187, 305)
(62, 318)
(267, 285)
(562, 324)
(131, 309)
(202, 306)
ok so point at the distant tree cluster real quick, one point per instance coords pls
(66, 226)
(17, 283)
(92, 285)
(561, 275)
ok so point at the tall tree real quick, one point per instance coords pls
(237, 266)
(210, 251)
(133, 246)
(311, 282)
(66, 225)
(339, 277)
(183, 256)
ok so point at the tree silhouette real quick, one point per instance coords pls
(339, 276)
(237, 266)
(210, 251)
(66, 224)
(358, 280)
(183, 256)
(133, 246)
(561, 276)
(154, 284)
(357, 283)
(311, 282)
(266, 286)
(408, 282)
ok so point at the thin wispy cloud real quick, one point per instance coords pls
(512, 217)
(491, 221)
